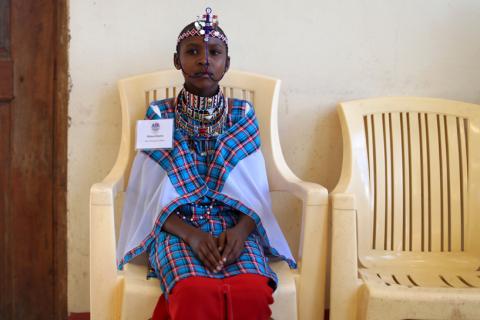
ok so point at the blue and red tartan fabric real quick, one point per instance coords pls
(173, 260)
(240, 139)
(197, 180)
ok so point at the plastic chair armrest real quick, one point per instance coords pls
(313, 242)
(313, 260)
(310, 193)
(343, 201)
(104, 193)
(344, 266)
(104, 277)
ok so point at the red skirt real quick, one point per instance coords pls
(241, 297)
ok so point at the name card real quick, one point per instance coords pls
(154, 134)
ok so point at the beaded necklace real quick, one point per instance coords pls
(202, 117)
(209, 116)
(202, 103)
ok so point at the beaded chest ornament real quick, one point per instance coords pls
(210, 117)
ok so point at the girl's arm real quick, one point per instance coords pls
(245, 224)
(202, 243)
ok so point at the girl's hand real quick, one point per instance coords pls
(204, 245)
(231, 243)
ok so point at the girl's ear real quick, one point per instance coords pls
(176, 61)
(227, 64)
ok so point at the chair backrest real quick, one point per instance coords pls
(413, 166)
(137, 92)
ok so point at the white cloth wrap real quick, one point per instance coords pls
(248, 184)
(150, 190)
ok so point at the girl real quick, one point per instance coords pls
(201, 210)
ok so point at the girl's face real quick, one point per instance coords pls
(202, 76)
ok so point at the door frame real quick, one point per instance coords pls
(61, 99)
(19, 34)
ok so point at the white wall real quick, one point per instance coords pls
(325, 51)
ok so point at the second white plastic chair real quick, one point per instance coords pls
(406, 222)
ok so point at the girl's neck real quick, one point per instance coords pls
(202, 92)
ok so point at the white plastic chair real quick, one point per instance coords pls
(127, 294)
(406, 211)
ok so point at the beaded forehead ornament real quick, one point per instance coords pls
(206, 27)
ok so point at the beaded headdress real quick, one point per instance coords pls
(205, 27)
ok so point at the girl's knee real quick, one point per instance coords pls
(195, 298)
(251, 297)
(246, 297)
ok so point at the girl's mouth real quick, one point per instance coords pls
(202, 74)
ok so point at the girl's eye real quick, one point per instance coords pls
(215, 52)
(192, 51)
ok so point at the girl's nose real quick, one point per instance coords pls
(203, 58)
(203, 61)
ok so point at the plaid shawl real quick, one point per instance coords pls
(172, 260)
(240, 139)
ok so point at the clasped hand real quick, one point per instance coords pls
(215, 253)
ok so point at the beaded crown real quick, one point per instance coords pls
(205, 27)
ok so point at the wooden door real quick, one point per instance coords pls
(32, 159)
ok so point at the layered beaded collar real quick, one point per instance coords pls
(201, 116)
(201, 103)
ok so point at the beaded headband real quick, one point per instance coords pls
(205, 27)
